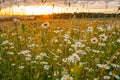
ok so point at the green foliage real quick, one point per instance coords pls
(23, 27)
(78, 49)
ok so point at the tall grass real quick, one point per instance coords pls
(71, 49)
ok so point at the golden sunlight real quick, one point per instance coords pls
(30, 10)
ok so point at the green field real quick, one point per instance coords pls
(61, 49)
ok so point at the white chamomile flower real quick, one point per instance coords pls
(89, 29)
(10, 53)
(45, 25)
(106, 77)
(67, 77)
(118, 40)
(46, 67)
(103, 37)
(21, 67)
(5, 42)
(66, 36)
(94, 40)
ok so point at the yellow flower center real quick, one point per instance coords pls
(67, 78)
(103, 67)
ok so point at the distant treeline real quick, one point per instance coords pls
(82, 15)
(61, 16)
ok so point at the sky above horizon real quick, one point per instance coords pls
(61, 5)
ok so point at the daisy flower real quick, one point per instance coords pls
(103, 66)
(94, 40)
(66, 36)
(67, 77)
(103, 37)
(118, 40)
(89, 29)
(21, 67)
(73, 58)
(106, 77)
(46, 67)
(45, 25)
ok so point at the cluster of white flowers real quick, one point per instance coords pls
(73, 58)
(97, 51)
(10, 53)
(64, 60)
(77, 45)
(55, 40)
(33, 45)
(44, 63)
(103, 37)
(100, 28)
(117, 77)
(13, 64)
(16, 20)
(118, 40)
(109, 27)
(3, 34)
(115, 66)
(58, 31)
(82, 52)
(102, 44)
(5, 42)
(40, 56)
(24, 52)
(106, 77)
(21, 67)
(14, 34)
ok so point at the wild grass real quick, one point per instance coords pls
(71, 49)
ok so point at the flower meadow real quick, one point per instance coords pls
(65, 49)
